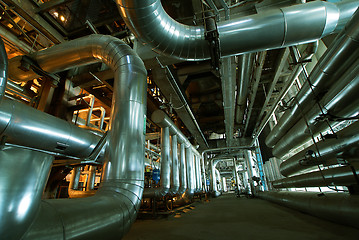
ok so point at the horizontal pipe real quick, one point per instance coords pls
(271, 29)
(341, 100)
(346, 144)
(336, 207)
(339, 176)
(336, 60)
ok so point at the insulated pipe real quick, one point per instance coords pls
(218, 178)
(245, 66)
(3, 69)
(182, 168)
(23, 179)
(345, 145)
(341, 101)
(120, 193)
(204, 188)
(278, 28)
(75, 178)
(339, 176)
(91, 178)
(25, 126)
(175, 183)
(248, 157)
(337, 207)
(191, 184)
(165, 180)
(336, 60)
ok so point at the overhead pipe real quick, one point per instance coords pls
(345, 145)
(245, 67)
(337, 207)
(279, 28)
(339, 56)
(120, 193)
(341, 100)
(3, 69)
(338, 176)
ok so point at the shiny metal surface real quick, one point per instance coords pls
(191, 184)
(175, 175)
(26, 126)
(283, 27)
(118, 198)
(346, 144)
(245, 66)
(91, 178)
(23, 179)
(248, 158)
(339, 176)
(75, 178)
(182, 169)
(3, 69)
(337, 207)
(341, 100)
(337, 59)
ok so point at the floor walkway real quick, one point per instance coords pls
(228, 217)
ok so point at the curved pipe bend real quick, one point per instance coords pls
(119, 196)
(282, 27)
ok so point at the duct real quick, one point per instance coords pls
(339, 176)
(338, 57)
(119, 196)
(175, 184)
(345, 145)
(228, 72)
(3, 69)
(165, 180)
(23, 179)
(245, 66)
(341, 100)
(283, 27)
(337, 207)
(182, 168)
(9, 36)
(25, 126)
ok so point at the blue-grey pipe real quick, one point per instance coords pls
(3, 69)
(183, 170)
(270, 29)
(175, 181)
(119, 196)
(336, 60)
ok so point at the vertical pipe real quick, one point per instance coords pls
(75, 178)
(248, 157)
(190, 171)
(3, 69)
(165, 160)
(91, 178)
(213, 175)
(183, 172)
(89, 113)
(204, 178)
(236, 173)
(175, 170)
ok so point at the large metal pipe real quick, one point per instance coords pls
(25, 126)
(3, 69)
(281, 27)
(191, 184)
(341, 101)
(23, 179)
(336, 60)
(175, 183)
(120, 193)
(248, 157)
(337, 207)
(345, 145)
(339, 176)
(183, 170)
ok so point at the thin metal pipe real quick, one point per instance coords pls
(91, 178)
(121, 188)
(337, 207)
(282, 27)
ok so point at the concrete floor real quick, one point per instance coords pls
(228, 217)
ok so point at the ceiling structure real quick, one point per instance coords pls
(193, 93)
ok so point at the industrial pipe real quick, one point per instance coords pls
(339, 176)
(337, 207)
(340, 101)
(345, 145)
(175, 184)
(279, 28)
(3, 69)
(120, 193)
(183, 170)
(337, 59)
